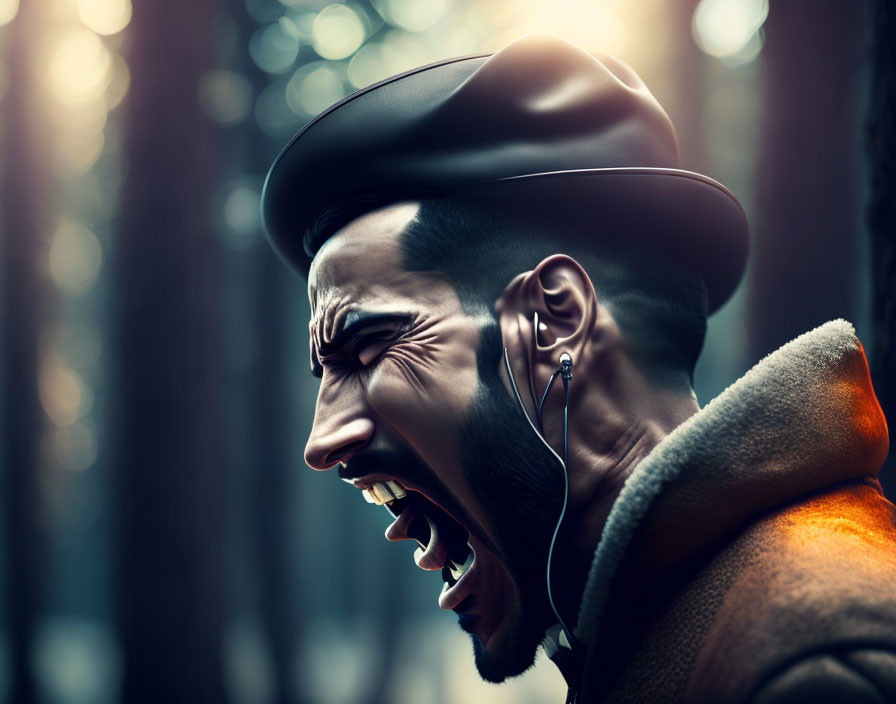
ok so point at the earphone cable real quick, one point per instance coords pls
(563, 510)
(543, 397)
(562, 461)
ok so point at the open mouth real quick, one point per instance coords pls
(443, 542)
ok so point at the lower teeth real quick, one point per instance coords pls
(459, 571)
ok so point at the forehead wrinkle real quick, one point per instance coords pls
(336, 320)
(359, 267)
(332, 320)
(317, 324)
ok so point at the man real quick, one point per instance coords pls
(509, 280)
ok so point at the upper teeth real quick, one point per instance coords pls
(384, 492)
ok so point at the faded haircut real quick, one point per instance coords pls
(659, 305)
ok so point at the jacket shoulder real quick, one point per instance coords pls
(816, 577)
(860, 676)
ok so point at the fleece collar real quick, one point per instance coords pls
(803, 418)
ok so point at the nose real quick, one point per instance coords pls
(333, 442)
(341, 428)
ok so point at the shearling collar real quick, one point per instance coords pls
(803, 418)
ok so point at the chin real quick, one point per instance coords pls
(507, 653)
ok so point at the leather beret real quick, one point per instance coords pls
(539, 122)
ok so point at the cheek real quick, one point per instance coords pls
(424, 392)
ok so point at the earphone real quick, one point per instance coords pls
(564, 371)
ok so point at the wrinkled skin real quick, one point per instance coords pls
(403, 400)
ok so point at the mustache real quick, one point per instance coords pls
(389, 461)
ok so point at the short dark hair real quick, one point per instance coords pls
(659, 305)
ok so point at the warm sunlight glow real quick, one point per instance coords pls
(105, 16)
(410, 15)
(8, 10)
(79, 67)
(118, 86)
(728, 28)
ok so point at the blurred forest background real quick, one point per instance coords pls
(161, 539)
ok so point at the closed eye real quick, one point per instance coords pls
(359, 351)
(368, 349)
(361, 332)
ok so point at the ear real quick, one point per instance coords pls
(558, 297)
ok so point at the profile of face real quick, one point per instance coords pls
(412, 404)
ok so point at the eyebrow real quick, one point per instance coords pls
(354, 321)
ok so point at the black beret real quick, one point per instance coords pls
(540, 121)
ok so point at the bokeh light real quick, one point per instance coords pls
(79, 67)
(226, 96)
(119, 83)
(78, 151)
(77, 341)
(241, 216)
(410, 49)
(8, 10)
(728, 29)
(273, 48)
(311, 92)
(264, 11)
(299, 25)
(411, 15)
(272, 112)
(105, 16)
(338, 32)
(373, 62)
(72, 446)
(63, 394)
(82, 120)
(75, 258)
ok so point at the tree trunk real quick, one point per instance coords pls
(807, 233)
(268, 474)
(881, 145)
(271, 480)
(168, 464)
(24, 227)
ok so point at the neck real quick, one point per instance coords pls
(614, 421)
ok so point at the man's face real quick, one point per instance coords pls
(402, 399)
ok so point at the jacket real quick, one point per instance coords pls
(751, 556)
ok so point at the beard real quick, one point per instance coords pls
(520, 484)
